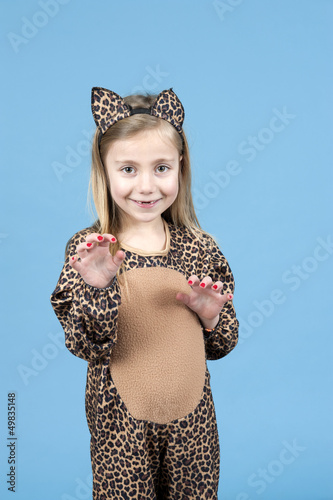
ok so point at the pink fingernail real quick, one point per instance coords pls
(202, 285)
(190, 282)
(113, 240)
(89, 245)
(73, 258)
(230, 296)
(214, 286)
(100, 238)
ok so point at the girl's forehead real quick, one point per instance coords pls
(145, 142)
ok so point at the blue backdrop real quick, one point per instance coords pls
(255, 78)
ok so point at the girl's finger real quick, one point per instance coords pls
(183, 297)
(74, 263)
(82, 248)
(119, 257)
(94, 238)
(101, 238)
(227, 297)
(206, 282)
(217, 286)
(109, 237)
(193, 280)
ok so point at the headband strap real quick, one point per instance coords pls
(139, 111)
(108, 108)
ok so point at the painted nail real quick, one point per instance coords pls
(190, 282)
(202, 285)
(100, 238)
(214, 286)
(89, 245)
(73, 258)
(113, 240)
(230, 296)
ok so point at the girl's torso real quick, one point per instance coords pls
(158, 363)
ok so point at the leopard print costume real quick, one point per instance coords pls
(149, 405)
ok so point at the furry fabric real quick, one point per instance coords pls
(158, 363)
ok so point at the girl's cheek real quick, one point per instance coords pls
(120, 187)
(171, 186)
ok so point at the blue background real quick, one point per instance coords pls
(262, 186)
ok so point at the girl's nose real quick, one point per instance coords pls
(146, 182)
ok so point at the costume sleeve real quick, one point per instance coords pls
(224, 336)
(88, 315)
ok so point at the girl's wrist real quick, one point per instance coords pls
(109, 284)
(209, 324)
(100, 286)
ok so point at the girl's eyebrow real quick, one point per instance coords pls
(158, 160)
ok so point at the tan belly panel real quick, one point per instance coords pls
(158, 364)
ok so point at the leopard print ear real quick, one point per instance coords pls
(107, 108)
(168, 107)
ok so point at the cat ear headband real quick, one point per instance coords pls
(108, 108)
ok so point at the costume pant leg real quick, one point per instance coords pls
(190, 464)
(124, 453)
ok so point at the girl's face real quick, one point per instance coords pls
(143, 173)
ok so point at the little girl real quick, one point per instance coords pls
(145, 296)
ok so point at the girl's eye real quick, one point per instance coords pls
(163, 167)
(128, 170)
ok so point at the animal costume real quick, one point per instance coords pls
(149, 404)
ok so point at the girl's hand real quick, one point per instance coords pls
(96, 265)
(205, 299)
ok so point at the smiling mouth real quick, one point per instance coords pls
(145, 202)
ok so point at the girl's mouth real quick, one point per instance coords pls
(145, 204)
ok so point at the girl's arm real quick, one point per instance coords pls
(224, 336)
(87, 314)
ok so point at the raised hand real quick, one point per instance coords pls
(205, 299)
(96, 265)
